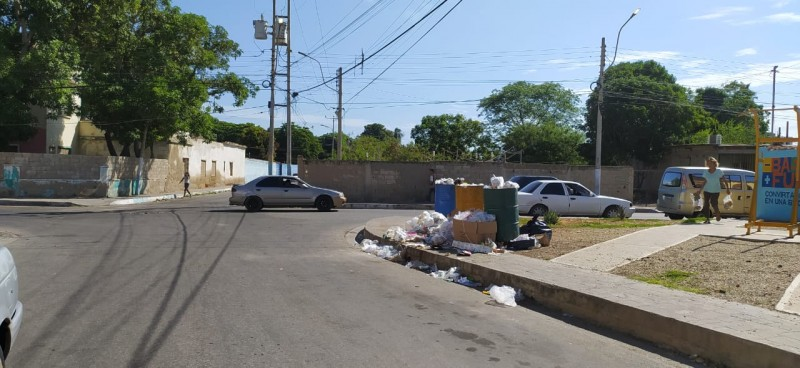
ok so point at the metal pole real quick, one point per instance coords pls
(774, 73)
(599, 139)
(271, 154)
(288, 86)
(339, 115)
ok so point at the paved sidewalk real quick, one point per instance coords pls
(725, 332)
(100, 202)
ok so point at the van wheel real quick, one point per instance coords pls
(673, 216)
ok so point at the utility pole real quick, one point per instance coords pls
(273, 67)
(774, 73)
(339, 114)
(599, 128)
(288, 87)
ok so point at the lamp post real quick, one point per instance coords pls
(600, 85)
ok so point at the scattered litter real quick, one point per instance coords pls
(497, 181)
(446, 181)
(425, 221)
(509, 184)
(417, 265)
(449, 275)
(474, 216)
(474, 248)
(395, 233)
(383, 251)
(504, 295)
(463, 280)
(465, 253)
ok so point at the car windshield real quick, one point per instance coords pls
(531, 187)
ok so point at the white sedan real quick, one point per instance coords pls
(568, 198)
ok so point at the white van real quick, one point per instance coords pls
(678, 185)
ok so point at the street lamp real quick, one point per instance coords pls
(600, 85)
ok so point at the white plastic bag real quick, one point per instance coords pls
(497, 181)
(727, 202)
(698, 202)
(504, 295)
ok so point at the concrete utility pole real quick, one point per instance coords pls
(339, 114)
(774, 73)
(273, 67)
(599, 140)
(288, 87)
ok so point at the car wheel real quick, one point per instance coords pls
(613, 211)
(253, 204)
(673, 216)
(324, 203)
(538, 210)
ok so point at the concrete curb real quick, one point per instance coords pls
(143, 199)
(615, 303)
(37, 203)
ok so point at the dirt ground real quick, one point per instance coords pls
(745, 271)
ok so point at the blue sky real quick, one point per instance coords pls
(483, 45)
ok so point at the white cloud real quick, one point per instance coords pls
(722, 13)
(746, 52)
(783, 18)
(692, 64)
(781, 3)
(756, 75)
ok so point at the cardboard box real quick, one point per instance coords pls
(474, 232)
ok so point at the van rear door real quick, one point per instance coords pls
(669, 192)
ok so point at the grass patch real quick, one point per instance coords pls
(694, 220)
(672, 279)
(602, 223)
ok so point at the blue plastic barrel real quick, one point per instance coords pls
(444, 198)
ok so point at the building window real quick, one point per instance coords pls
(203, 168)
(231, 166)
(185, 164)
(213, 168)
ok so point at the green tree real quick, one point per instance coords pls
(450, 136)
(732, 133)
(547, 142)
(644, 112)
(731, 103)
(377, 131)
(37, 65)
(522, 102)
(304, 143)
(148, 70)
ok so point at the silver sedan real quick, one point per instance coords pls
(284, 191)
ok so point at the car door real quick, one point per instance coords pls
(270, 190)
(297, 193)
(749, 184)
(554, 196)
(581, 200)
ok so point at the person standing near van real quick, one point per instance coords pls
(714, 179)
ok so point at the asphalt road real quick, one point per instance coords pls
(196, 283)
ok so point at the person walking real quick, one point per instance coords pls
(714, 180)
(185, 180)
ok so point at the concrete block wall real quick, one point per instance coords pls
(65, 176)
(407, 182)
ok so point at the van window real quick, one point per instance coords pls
(697, 180)
(735, 181)
(671, 179)
(750, 179)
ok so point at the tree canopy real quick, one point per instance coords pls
(730, 104)
(644, 112)
(451, 136)
(304, 143)
(527, 103)
(378, 131)
(37, 65)
(547, 142)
